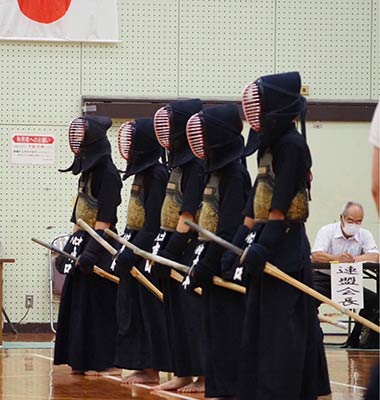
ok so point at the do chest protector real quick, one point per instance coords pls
(136, 210)
(299, 207)
(208, 217)
(87, 205)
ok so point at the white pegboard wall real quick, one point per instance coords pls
(329, 42)
(197, 48)
(40, 82)
(376, 50)
(145, 63)
(224, 45)
(36, 201)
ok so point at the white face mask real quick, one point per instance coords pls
(350, 229)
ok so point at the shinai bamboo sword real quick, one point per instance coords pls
(173, 264)
(97, 270)
(277, 273)
(134, 271)
(183, 268)
(115, 279)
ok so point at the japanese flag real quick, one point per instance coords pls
(63, 20)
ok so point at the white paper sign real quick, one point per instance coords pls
(347, 284)
(32, 149)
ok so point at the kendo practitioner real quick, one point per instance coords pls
(215, 136)
(86, 329)
(176, 242)
(142, 340)
(231, 270)
(282, 351)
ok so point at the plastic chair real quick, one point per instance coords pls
(56, 280)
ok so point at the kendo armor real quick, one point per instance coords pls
(272, 103)
(208, 217)
(170, 128)
(173, 201)
(138, 145)
(136, 210)
(87, 205)
(88, 141)
(299, 207)
(214, 135)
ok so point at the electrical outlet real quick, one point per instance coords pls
(28, 301)
(305, 90)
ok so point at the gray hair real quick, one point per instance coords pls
(348, 205)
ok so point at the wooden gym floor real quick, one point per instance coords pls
(27, 373)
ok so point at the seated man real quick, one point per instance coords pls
(347, 241)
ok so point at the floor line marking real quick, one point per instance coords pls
(26, 375)
(180, 396)
(115, 378)
(167, 392)
(41, 356)
(348, 385)
(142, 385)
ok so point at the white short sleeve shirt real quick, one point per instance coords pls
(330, 240)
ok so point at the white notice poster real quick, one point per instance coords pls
(32, 149)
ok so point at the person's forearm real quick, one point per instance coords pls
(102, 225)
(322, 257)
(181, 226)
(375, 179)
(249, 222)
(369, 257)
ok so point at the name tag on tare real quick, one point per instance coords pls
(347, 284)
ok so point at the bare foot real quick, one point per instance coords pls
(174, 384)
(92, 373)
(132, 374)
(194, 387)
(77, 372)
(144, 376)
(107, 371)
(221, 398)
(113, 371)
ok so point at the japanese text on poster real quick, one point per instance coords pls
(32, 149)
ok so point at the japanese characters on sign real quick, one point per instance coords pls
(347, 284)
(32, 149)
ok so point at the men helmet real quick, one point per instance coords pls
(170, 128)
(88, 141)
(272, 102)
(214, 135)
(138, 145)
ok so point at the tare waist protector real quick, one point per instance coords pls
(136, 210)
(87, 205)
(173, 201)
(208, 217)
(299, 207)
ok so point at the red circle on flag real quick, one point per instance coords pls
(44, 11)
